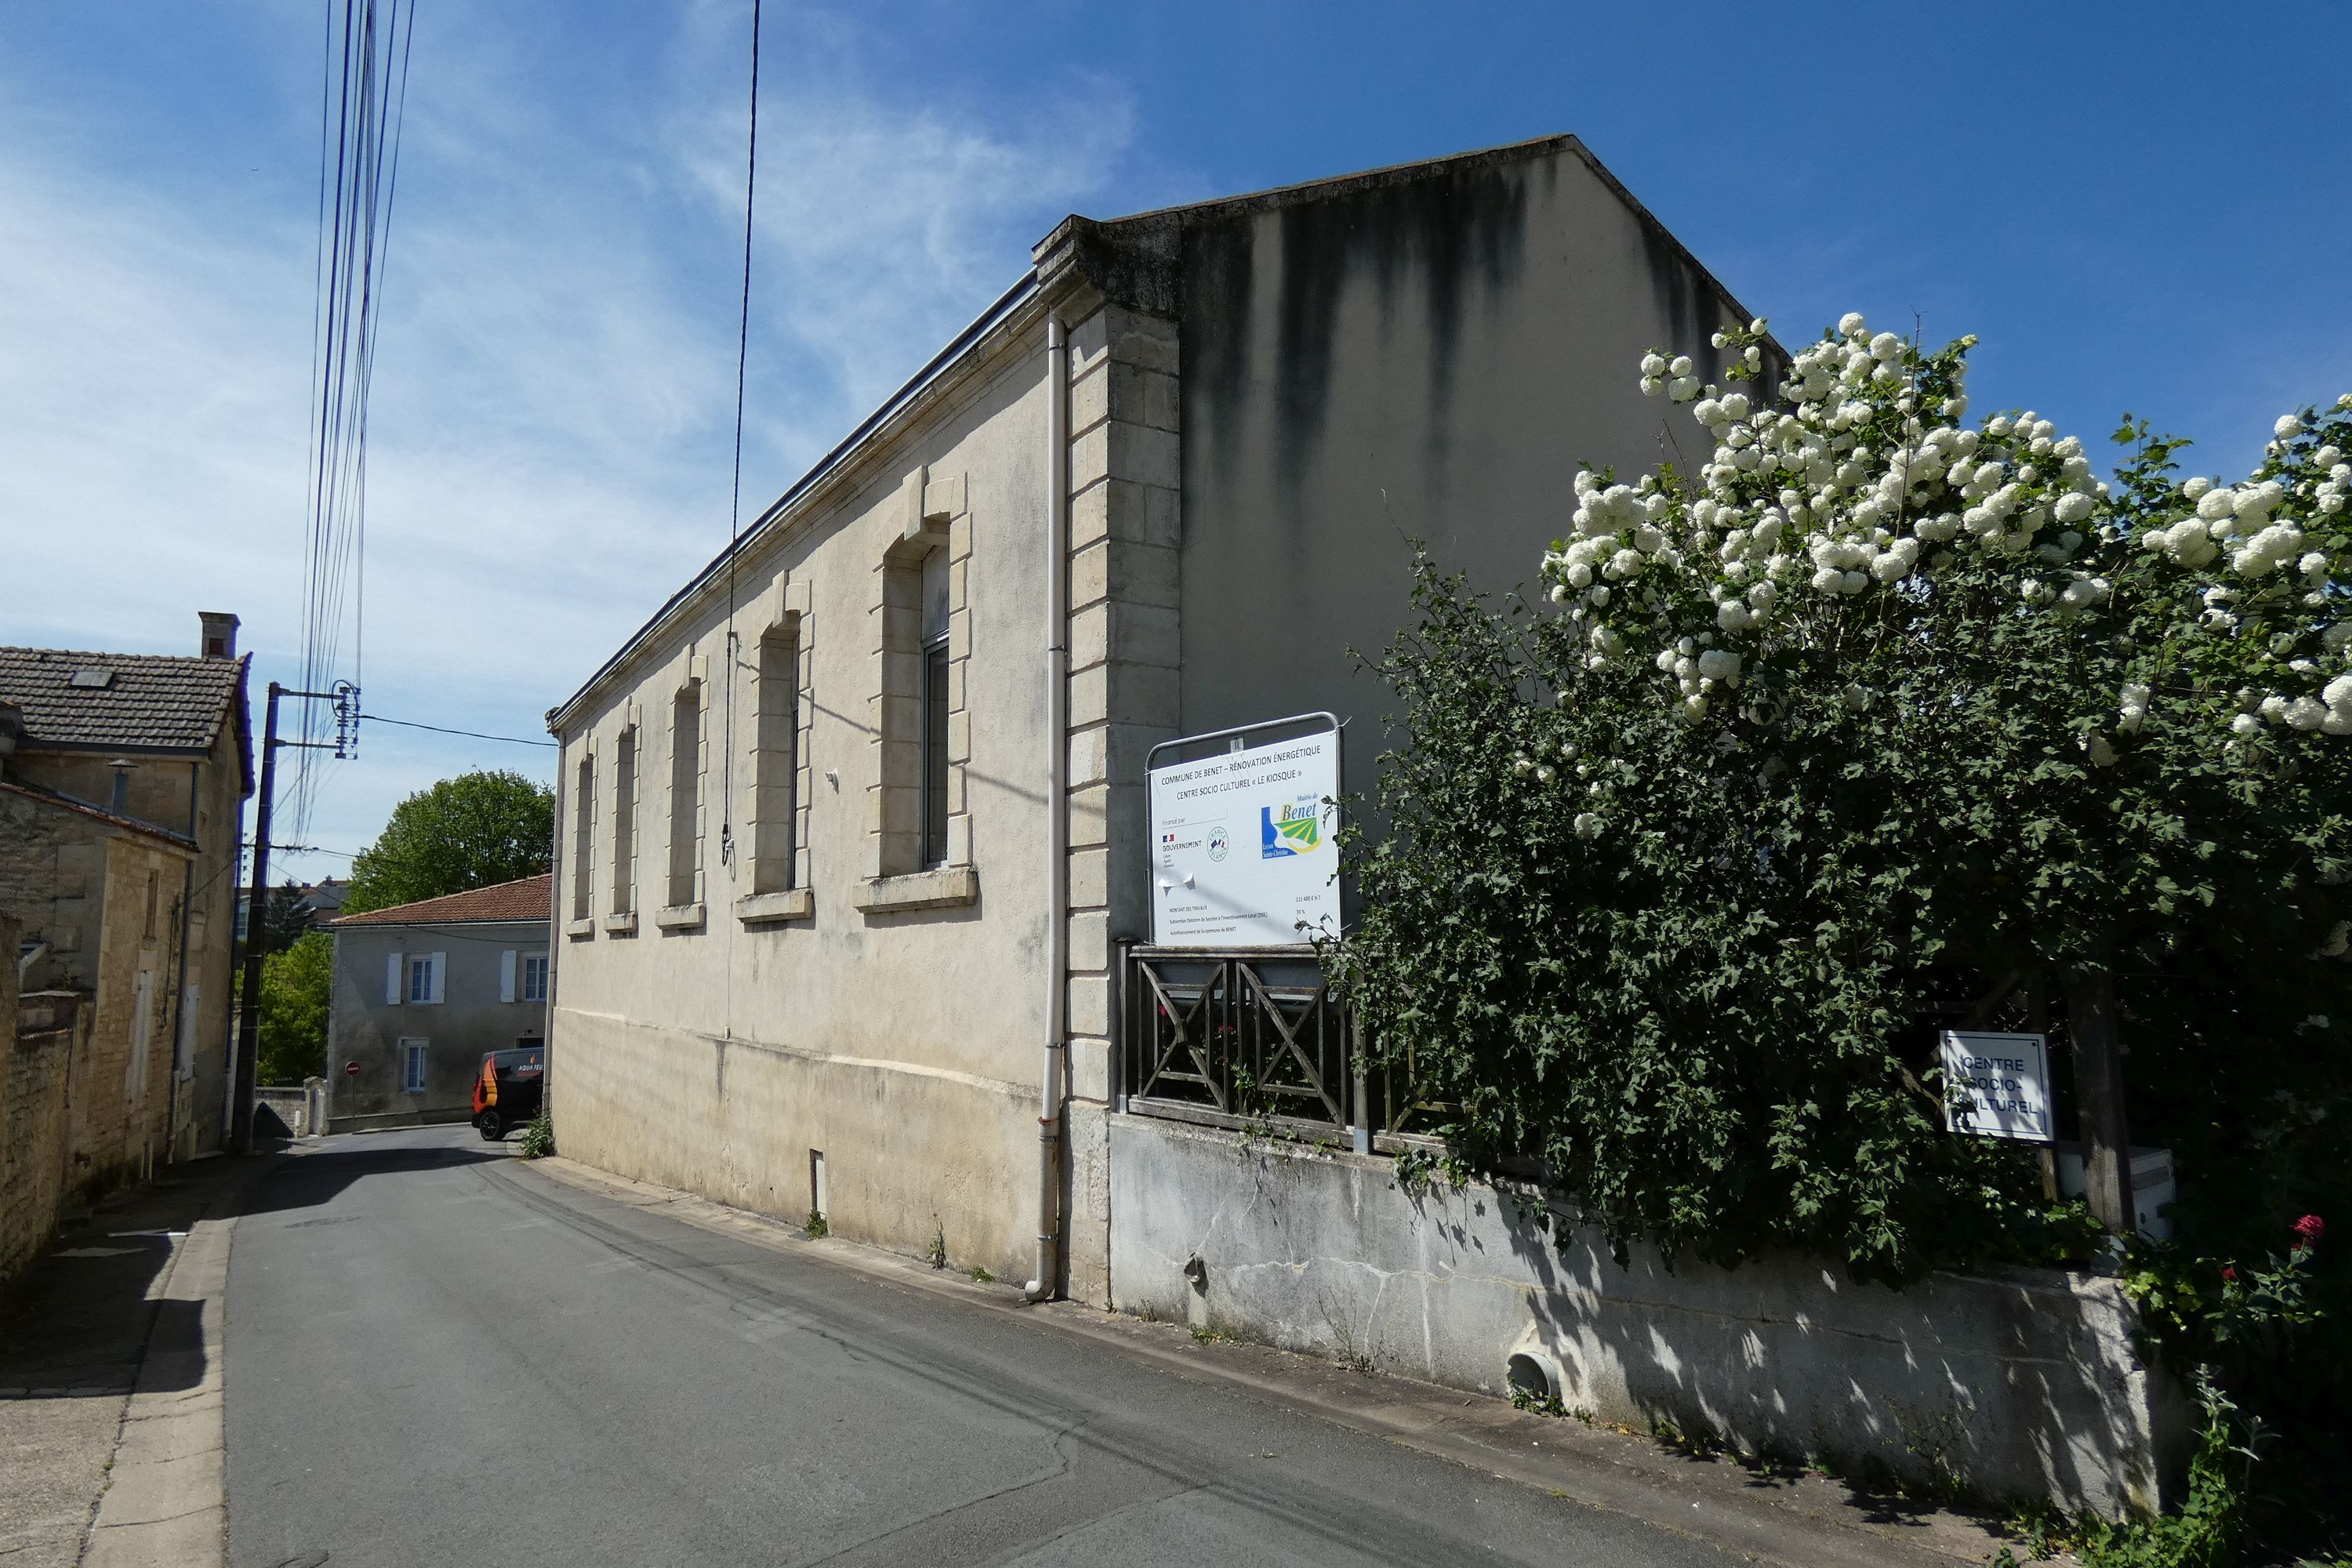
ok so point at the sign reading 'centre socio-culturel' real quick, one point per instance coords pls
(1241, 845)
(1996, 1086)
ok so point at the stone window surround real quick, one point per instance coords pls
(581, 891)
(626, 722)
(693, 674)
(931, 514)
(790, 615)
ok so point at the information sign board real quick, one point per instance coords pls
(1996, 1086)
(1241, 842)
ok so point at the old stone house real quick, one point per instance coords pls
(849, 830)
(122, 779)
(422, 991)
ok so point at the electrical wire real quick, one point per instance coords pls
(362, 107)
(735, 497)
(444, 730)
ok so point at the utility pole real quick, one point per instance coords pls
(345, 696)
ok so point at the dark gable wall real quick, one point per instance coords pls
(1429, 359)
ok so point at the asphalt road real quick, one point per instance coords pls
(437, 1355)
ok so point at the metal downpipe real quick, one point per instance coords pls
(1057, 735)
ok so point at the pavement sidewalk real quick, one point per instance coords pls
(111, 1380)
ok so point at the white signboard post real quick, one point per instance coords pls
(1996, 1086)
(1241, 842)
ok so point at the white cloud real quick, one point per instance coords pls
(554, 382)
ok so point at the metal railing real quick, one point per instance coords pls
(1253, 1037)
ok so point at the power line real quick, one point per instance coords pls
(363, 105)
(444, 730)
(735, 495)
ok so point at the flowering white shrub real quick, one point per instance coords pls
(1859, 719)
(1856, 482)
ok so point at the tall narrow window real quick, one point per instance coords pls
(935, 709)
(686, 796)
(775, 772)
(624, 822)
(584, 836)
(414, 1055)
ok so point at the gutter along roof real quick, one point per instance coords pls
(1136, 260)
(1007, 304)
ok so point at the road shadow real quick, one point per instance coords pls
(78, 1321)
(318, 1175)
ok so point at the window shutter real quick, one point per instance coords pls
(506, 975)
(440, 972)
(395, 975)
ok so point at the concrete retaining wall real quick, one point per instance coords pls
(2016, 1383)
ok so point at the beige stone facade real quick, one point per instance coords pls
(808, 811)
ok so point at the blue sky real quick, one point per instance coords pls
(2135, 207)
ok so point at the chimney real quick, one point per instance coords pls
(219, 640)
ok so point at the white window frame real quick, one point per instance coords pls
(415, 1059)
(534, 977)
(426, 976)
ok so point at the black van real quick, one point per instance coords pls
(509, 1090)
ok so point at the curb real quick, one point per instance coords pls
(166, 1499)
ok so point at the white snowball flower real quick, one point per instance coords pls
(1655, 365)
(2072, 508)
(1682, 389)
(2244, 724)
(1652, 386)
(2215, 505)
(1849, 324)
(2103, 752)
(1680, 365)
(2195, 488)
(2287, 427)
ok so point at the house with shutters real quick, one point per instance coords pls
(423, 992)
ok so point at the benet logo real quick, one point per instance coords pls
(1293, 829)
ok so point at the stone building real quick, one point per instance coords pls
(849, 830)
(422, 991)
(122, 780)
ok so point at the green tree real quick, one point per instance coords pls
(295, 984)
(284, 920)
(472, 831)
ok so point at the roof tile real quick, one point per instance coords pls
(531, 898)
(151, 700)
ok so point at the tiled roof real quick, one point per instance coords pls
(141, 700)
(531, 898)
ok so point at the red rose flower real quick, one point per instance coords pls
(2310, 1227)
(2230, 1273)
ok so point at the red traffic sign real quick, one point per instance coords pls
(350, 1069)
